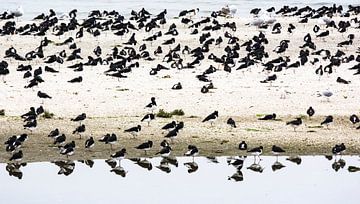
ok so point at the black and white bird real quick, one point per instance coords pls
(165, 151)
(17, 156)
(164, 143)
(68, 151)
(243, 145)
(169, 126)
(338, 149)
(79, 118)
(134, 131)
(268, 117)
(54, 133)
(60, 140)
(146, 146)
(112, 139)
(192, 151)
(212, 117)
(31, 125)
(310, 111)
(231, 122)
(119, 155)
(172, 134)
(89, 143)
(354, 119)
(276, 150)
(152, 105)
(257, 151)
(328, 120)
(148, 117)
(295, 123)
(80, 129)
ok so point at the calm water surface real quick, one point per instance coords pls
(315, 180)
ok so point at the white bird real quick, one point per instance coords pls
(233, 10)
(326, 93)
(18, 12)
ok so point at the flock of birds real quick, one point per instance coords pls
(120, 62)
(14, 143)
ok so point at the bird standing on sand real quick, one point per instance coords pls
(147, 118)
(328, 120)
(338, 149)
(146, 146)
(354, 119)
(134, 131)
(89, 143)
(212, 117)
(231, 122)
(192, 151)
(277, 150)
(295, 123)
(257, 151)
(268, 117)
(310, 111)
(120, 155)
(17, 156)
(243, 145)
(165, 151)
(80, 129)
(79, 118)
(152, 105)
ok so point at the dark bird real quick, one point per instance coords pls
(211, 118)
(342, 81)
(257, 151)
(119, 155)
(268, 117)
(79, 118)
(60, 140)
(295, 123)
(146, 146)
(152, 105)
(310, 111)
(134, 131)
(165, 151)
(243, 145)
(177, 86)
(31, 125)
(328, 120)
(89, 143)
(43, 95)
(68, 151)
(76, 80)
(192, 151)
(277, 150)
(231, 122)
(354, 119)
(80, 129)
(17, 156)
(148, 117)
(338, 149)
(169, 126)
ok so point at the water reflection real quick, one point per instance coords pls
(165, 164)
(202, 173)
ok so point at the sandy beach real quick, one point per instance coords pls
(113, 105)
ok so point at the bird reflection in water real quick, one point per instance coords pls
(277, 165)
(144, 163)
(192, 166)
(111, 162)
(294, 159)
(212, 160)
(236, 162)
(119, 170)
(256, 167)
(237, 176)
(66, 167)
(89, 163)
(338, 163)
(14, 169)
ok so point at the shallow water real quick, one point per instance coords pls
(315, 180)
(35, 7)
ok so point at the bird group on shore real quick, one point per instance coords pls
(122, 60)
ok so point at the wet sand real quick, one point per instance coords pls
(216, 140)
